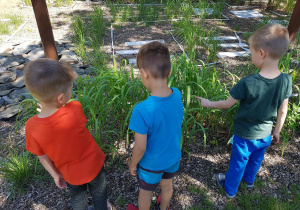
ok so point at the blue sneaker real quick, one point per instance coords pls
(248, 185)
(221, 182)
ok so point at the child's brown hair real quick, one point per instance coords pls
(155, 58)
(46, 78)
(273, 38)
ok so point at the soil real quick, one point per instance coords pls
(197, 167)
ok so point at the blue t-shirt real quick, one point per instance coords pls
(161, 119)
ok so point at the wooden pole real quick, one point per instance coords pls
(43, 21)
(294, 21)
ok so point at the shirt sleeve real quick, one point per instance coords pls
(137, 122)
(238, 91)
(289, 87)
(31, 144)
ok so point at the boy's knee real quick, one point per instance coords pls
(165, 183)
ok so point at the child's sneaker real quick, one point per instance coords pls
(248, 185)
(158, 203)
(132, 207)
(221, 182)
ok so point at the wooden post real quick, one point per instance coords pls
(294, 21)
(43, 21)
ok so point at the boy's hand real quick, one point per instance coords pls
(60, 182)
(275, 138)
(132, 169)
(204, 102)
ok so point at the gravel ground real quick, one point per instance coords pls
(197, 168)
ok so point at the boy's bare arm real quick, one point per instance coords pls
(56, 175)
(225, 104)
(281, 115)
(138, 152)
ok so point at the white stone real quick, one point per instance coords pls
(225, 38)
(137, 43)
(233, 45)
(133, 60)
(247, 14)
(233, 54)
(127, 52)
(207, 10)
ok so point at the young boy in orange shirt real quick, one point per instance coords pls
(59, 137)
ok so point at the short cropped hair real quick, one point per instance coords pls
(155, 58)
(273, 38)
(46, 78)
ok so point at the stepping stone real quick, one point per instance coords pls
(225, 38)
(127, 52)
(247, 14)
(133, 60)
(209, 11)
(233, 54)
(233, 45)
(282, 22)
(142, 42)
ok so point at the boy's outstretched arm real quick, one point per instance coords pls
(225, 104)
(56, 175)
(138, 152)
(281, 115)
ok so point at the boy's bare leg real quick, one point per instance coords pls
(145, 199)
(166, 193)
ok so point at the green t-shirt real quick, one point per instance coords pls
(260, 98)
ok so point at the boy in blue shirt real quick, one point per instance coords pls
(157, 124)
(263, 97)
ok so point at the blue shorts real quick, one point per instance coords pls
(149, 180)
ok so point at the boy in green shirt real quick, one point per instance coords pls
(263, 97)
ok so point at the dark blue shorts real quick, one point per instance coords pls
(149, 180)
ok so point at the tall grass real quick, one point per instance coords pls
(88, 37)
(19, 169)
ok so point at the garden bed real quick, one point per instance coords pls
(278, 181)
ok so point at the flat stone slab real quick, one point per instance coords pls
(282, 22)
(132, 61)
(11, 61)
(209, 11)
(36, 53)
(233, 45)
(247, 14)
(137, 43)
(10, 112)
(233, 54)
(19, 82)
(224, 38)
(24, 48)
(127, 52)
(8, 76)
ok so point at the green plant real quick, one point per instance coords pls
(19, 169)
(121, 201)
(4, 29)
(16, 19)
(27, 2)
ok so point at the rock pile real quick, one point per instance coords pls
(13, 57)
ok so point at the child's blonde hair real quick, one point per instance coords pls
(273, 38)
(155, 57)
(46, 78)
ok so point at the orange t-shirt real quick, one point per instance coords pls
(64, 138)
